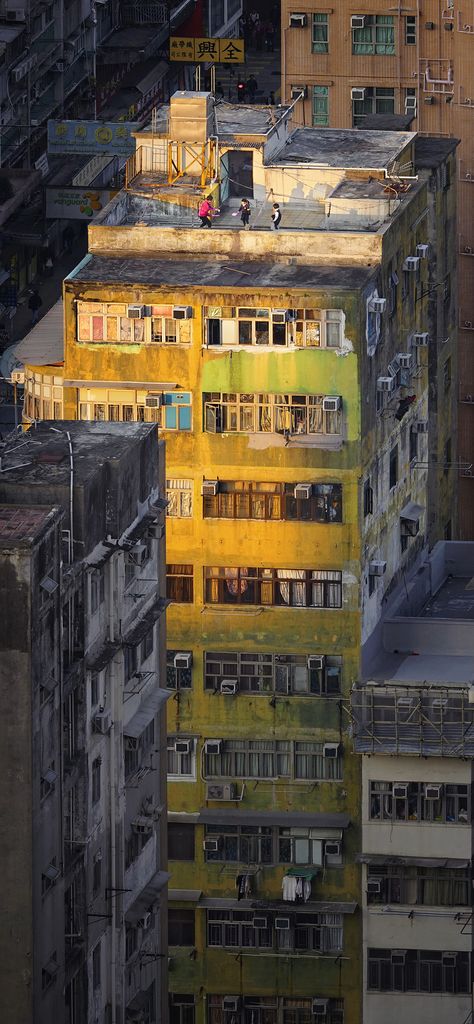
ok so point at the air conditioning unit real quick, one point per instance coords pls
(229, 686)
(331, 750)
(183, 659)
(296, 92)
(449, 959)
(17, 15)
(440, 702)
(20, 71)
(138, 555)
(319, 1006)
(332, 849)
(182, 312)
(358, 94)
(378, 305)
(411, 263)
(135, 312)
(282, 924)
(421, 339)
(331, 403)
(209, 488)
(153, 401)
(405, 360)
(298, 20)
(221, 791)
(405, 703)
(468, 325)
(278, 316)
(432, 792)
(210, 845)
(386, 384)
(183, 746)
(377, 568)
(422, 251)
(468, 250)
(212, 746)
(398, 956)
(142, 826)
(231, 1003)
(303, 491)
(400, 789)
(102, 722)
(145, 921)
(260, 922)
(374, 886)
(357, 21)
(131, 743)
(421, 426)
(316, 661)
(60, 65)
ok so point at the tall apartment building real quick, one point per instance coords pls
(289, 372)
(412, 721)
(354, 63)
(83, 783)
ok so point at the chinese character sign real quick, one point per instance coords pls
(209, 51)
(114, 138)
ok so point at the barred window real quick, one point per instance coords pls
(181, 758)
(272, 759)
(295, 588)
(417, 970)
(306, 675)
(226, 412)
(376, 36)
(179, 494)
(179, 583)
(420, 801)
(432, 887)
(248, 499)
(177, 678)
(311, 933)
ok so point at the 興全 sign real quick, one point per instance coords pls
(214, 50)
(114, 137)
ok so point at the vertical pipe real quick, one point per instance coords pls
(113, 852)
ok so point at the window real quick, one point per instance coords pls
(273, 759)
(244, 844)
(408, 802)
(392, 291)
(270, 1010)
(181, 1009)
(97, 872)
(96, 779)
(376, 36)
(368, 498)
(181, 761)
(413, 444)
(147, 645)
(94, 684)
(274, 673)
(170, 410)
(131, 941)
(411, 101)
(393, 467)
(96, 972)
(134, 844)
(180, 841)
(311, 933)
(247, 499)
(130, 661)
(49, 972)
(376, 101)
(177, 678)
(179, 583)
(292, 588)
(417, 970)
(136, 747)
(282, 414)
(48, 781)
(179, 494)
(108, 323)
(448, 530)
(305, 846)
(243, 325)
(97, 580)
(320, 108)
(448, 456)
(410, 30)
(432, 887)
(447, 373)
(181, 927)
(49, 876)
(165, 331)
(320, 33)
(300, 1011)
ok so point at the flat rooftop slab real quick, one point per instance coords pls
(415, 669)
(307, 216)
(20, 524)
(454, 600)
(344, 148)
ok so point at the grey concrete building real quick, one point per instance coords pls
(82, 790)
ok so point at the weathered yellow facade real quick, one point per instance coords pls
(259, 355)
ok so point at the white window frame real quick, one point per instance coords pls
(182, 776)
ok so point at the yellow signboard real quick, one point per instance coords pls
(209, 51)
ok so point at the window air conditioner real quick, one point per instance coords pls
(210, 845)
(131, 743)
(393, 367)
(468, 325)
(398, 956)
(183, 659)
(229, 686)
(378, 305)
(278, 316)
(357, 21)
(449, 959)
(331, 750)
(102, 722)
(432, 792)
(303, 491)
(377, 568)
(135, 312)
(16, 15)
(142, 826)
(298, 20)
(319, 1006)
(209, 488)
(374, 886)
(296, 92)
(332, 849)
(183, 746)
(212, 746)
(421, 426)
(230, 1003)
(404, 360)
(358, 94)
(260, 922)
(421, 339)
(182, 312)
(153, 401)
(400, 789)
(316, 661)
(145, 922)
(282, 924)
(422, 251)
(385, 384)
(411, 263)
(221, 791)
(331, 403)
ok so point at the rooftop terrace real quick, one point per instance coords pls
(20, 524)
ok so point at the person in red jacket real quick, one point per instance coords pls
(206, 212)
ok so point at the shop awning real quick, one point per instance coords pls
(98, 661)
